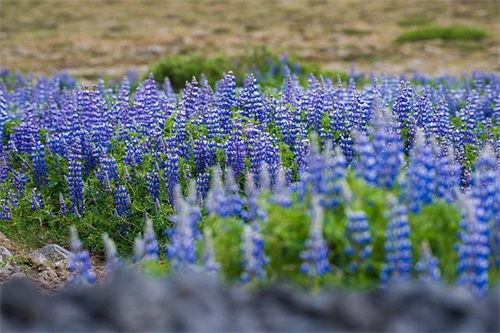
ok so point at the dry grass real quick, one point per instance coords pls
(93, 36)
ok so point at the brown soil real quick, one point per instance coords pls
(96, 37)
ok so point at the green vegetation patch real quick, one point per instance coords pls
(267, 67)
(453, 33)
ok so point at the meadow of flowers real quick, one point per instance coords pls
(356, 184)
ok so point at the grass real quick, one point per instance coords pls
(452, 33)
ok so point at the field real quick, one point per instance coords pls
(94, 38)
(295, 167)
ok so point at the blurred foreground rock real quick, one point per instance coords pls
(195, 303)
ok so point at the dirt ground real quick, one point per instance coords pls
(94, 37)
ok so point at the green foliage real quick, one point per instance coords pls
(453, 33)
(266, 66)
(438, 224)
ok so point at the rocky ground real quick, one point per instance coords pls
(45, 267)
(131, 302)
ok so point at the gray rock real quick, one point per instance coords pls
(5, 254)
(49, 253)
(132, 302)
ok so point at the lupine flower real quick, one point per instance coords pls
(473, 248)
(39, 165)
(252, 101)
(383, 161)
(36, 200)
(254, 210)
(150, 243)
(79, 264)
(485, 182)
(122, 202)
(220, 201)
(398, 256)
(254, 258)
(447, 174)
(235, 150)
(171, 174)
(153, 184)
(3, 116)
(204, 154)
(4, 211)
(255, 146)
(358, 232)
(139, 249)
(182, 247)
(225, 100)
(421, 174)
(112, 260)
(428, 265)
(202, 185)
(315, 257)
(211, 266)
(63, 209)
(282, 193)
(75, 184)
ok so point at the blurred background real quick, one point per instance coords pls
(94, 38)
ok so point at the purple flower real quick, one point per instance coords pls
(358, 232)
(254, 258)
(315, 256)
(150, 242)
(473, 247)
(421, 173)
(122, 202)
(398, 255)
(75, 184)
(79, 263)
(112, 260)
(36, 200)
(182, 247)
(428, 265)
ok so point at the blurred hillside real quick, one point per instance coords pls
(91, 38)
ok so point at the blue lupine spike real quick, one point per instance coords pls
(252, 101)
(112, 260)
(5, 211)
(358, 232)
(254, 257)
(182, 247)
(473, 248)
(190, 98)
(235, 150)
(36, 200)
(282, 194)
(151, 248)
(122, 202)
(75, 184)
(79, 263)
(202, 186)
(204, 154)
(153, 184)
(428, 265)
(63, 209)
(448, 174)
(398, 255)
(139, 249)
(315, 256)
(421, 174)
(254, 211)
